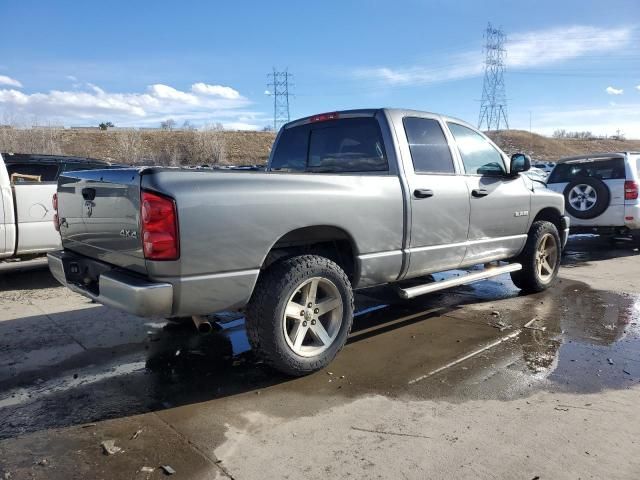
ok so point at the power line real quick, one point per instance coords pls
(493, 106)
(279, 85)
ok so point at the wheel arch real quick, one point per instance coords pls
(329, 241)
(550, 214)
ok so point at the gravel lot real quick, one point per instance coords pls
(476, 382)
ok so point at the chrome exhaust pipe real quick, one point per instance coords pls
(202, 324)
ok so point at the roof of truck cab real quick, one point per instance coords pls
(370, 112)
(592, 156)
(38, 158)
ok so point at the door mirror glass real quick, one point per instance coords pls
(520, 163)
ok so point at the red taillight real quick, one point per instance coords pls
(323, 117)
(54, 202)
(630, 190)
(159, 227)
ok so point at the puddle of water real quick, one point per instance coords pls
(391, 344)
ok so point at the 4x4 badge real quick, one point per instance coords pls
(128, 233)
(521, 213)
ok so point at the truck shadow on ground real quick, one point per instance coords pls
(27, 279)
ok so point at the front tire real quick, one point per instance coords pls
(540, 258)
(300, 314)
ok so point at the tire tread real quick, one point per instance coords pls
(262, 309)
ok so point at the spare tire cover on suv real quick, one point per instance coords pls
(586, 197)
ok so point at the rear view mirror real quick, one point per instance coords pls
(519, 163)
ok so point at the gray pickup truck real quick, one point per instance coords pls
(349, 200)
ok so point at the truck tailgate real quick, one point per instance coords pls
(99, 214)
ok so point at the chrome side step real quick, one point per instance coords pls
(418, 290)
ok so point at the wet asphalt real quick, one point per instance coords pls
(74, 373)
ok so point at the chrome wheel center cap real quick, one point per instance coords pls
(308, 315)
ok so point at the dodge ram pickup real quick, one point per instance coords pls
(349, 200)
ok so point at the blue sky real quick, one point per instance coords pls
(572, 64)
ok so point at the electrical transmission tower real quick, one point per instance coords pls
(493, 106)
(279, 88)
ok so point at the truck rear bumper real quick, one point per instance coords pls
(116, 288)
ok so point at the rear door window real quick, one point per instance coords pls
(348, 145)
(478, 155)
(608, 169)
(32, 172)
(430, 151)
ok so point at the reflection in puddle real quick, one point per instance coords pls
(591, 340)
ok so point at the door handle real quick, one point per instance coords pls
(422, 193)
(88, 193)
(479, 192)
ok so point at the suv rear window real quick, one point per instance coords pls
(608, 169)
(345, 145)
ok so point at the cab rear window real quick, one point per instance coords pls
(345, 145)
(32, 172)
(608, 169)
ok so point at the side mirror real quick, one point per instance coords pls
(519, 163)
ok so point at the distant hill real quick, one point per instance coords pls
(550, 149)
(239, 147)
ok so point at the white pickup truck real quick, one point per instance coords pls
(27, 185)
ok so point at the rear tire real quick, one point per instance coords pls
(300, 314)
(540, 258)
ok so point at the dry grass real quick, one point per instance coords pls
(241, 148)
(545, 148)
(144, 146)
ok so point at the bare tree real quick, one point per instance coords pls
(207, 147)
(129, 146)
(45, 141)
(187, 125)
(168, 124)
(560, 133)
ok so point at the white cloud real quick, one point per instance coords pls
(525, 50)
(10, 82)
(462, 66)
(638, 87)
(614, 91)
(240, 126)
(165, 92)
(546, 47)
(215, 91)
(598, 120)
(89, 104)
(72, 78)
